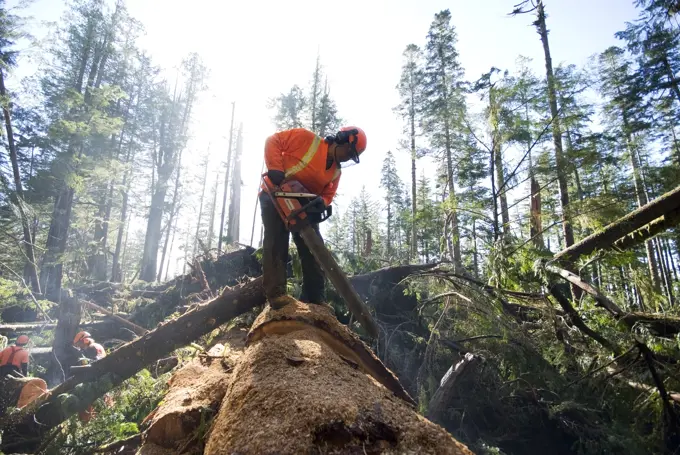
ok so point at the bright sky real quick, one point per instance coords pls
(257, 49)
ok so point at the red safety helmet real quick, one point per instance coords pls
(354, 136)
(80, 336)
(22, 340)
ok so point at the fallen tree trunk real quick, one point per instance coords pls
(13, 329)
(645, 233)
(304, 386)
(130, 358)
(668, 203)
(193, 398)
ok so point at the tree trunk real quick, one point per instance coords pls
(52, 266)
(172, 243)
(234, 223)
(173, 212)
(641, 195)
(152, 239)
(535, 223)
(213, 208)
(441, 400)
(67, 327)
(18, 188)
(498, 161)
(200, 205)
(494, 199)
(414, 156)
(561, 165)
(116, 270)
(226, 179)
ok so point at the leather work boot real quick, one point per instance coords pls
(279, 302)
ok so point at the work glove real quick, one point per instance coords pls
(277, 177)
(316, 206)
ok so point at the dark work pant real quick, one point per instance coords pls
(275, 258)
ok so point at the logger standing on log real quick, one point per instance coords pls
(14, 359)
(299, 154)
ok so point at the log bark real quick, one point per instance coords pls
(669, 204)
(128, 359)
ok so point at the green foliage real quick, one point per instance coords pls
(132, 402)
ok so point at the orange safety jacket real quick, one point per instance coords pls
(14, 356)
(301, 155)
(95, 351)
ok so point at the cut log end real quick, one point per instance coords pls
(318, 402)
(300, 316)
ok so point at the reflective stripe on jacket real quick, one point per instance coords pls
(301, 155)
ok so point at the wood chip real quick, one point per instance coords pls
(349, 362)
(295, 361)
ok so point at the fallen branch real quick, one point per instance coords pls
(576, 320)
(660, 325)
(574, 279)
(132, 326)
(597, 370)
(672, 423)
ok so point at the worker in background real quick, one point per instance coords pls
(93, 351)
(299, 154)
(14, 359)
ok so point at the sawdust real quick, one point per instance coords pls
(347, 344)
(292, 392)
(195, 393)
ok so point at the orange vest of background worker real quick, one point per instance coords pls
(93, 351)
(14, 359)
(299, 154)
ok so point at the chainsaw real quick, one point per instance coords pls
(291, 200)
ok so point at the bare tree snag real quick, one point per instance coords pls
(447, 387)
(668, 203)
(295, 390)
(67, 326)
